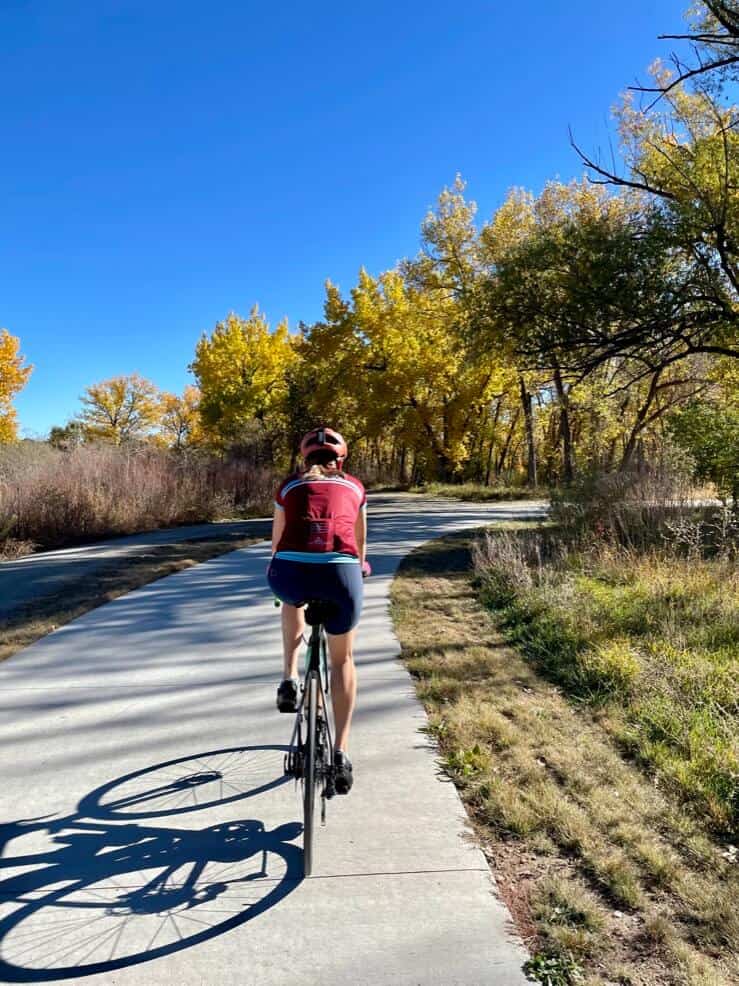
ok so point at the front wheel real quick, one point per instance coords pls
(310, 771)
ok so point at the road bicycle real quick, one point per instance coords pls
(310, 758)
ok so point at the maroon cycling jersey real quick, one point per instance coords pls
(320, 512)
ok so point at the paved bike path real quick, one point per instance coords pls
(24, 580)
(149, 836)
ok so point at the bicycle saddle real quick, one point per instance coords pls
(317, 611)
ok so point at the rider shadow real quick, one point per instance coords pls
(94, 892)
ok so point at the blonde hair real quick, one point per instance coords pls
(316, 470)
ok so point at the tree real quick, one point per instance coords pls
(241, 370)
(14, 374)
(684, 156)
(120, 409)
(714, 42)
(449, 271)
(449, 263)
(410, 369)
(179, 422)
(708, 428)
(567, 264)
(67, 436)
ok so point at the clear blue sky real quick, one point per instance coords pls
(166, 162)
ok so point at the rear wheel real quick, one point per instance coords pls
(310, 772)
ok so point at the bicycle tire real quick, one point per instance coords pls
(310, 773)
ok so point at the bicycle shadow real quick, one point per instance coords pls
(92, 892)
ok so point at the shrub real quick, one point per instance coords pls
(53, 497)
(628, 508)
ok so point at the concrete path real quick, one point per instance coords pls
(35, 576)
(149, 835)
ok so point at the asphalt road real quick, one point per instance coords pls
(149, 835)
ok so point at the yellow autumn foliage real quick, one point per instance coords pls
(121, 409)
(241, 373)
(14, 374)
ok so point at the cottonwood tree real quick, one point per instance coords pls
(121, 409)
(714, 43)
(179, 422)
(241, 371)
(574, 261)
(396, 351)
(450, 270)
(684, 156)
(14, 374)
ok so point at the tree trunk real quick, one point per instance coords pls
(403, 476)
(506, 444)
(528, 413)
(568, 470)
(641, 417)
(492, 443)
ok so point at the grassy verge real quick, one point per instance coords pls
(650, 639)
(36, 619)
(609, 879)
(478, 493)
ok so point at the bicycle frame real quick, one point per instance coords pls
(311, 757)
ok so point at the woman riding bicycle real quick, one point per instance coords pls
(319, 537)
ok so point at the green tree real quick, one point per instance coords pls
(683, 154)
(708, 429)
(67, 436)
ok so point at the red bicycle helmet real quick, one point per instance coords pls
(324, 440)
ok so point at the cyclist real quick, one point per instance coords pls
(319, 538)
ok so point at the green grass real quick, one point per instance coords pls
(654, 640)
(478, 493)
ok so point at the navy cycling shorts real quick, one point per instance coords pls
(339, 584)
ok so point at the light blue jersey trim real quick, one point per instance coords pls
(318, 557)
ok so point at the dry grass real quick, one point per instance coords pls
(36, 619)
(604, 872)
(52, 498)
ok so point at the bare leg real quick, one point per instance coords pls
(343, 684)
(293, 625)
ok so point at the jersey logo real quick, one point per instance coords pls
(321, 534)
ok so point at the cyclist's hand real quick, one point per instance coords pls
(366, 569)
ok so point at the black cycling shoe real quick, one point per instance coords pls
(287, 696)
(343, 776)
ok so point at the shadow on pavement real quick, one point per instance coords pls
(92, 892)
